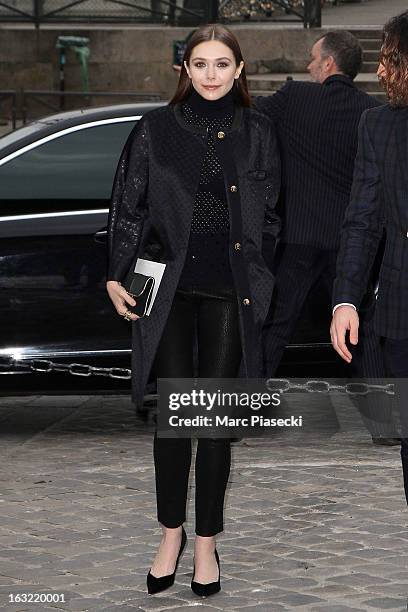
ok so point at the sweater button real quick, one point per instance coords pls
(246, 302)
(233, 188)
(237, 246)
(221, 135)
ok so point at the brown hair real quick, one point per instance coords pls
(213, 31)
(394, 58)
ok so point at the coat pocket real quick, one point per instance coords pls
(261, 184)
(257, 175)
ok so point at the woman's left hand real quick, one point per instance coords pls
(120, 299)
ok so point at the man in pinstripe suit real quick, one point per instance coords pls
(317, 125)
(379, 198)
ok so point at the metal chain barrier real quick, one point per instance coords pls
(283, 385)
(29, 366)
(275, 385)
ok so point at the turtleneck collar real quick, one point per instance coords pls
(211, 108)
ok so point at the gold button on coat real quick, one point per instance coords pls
(221, 135)
(246, 302)
(233, 188)
(237, 246)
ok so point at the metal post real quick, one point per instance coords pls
(312, 14)
(62, 76)
(14, 109)
(172, 12)
(24, 106)
(37, 12)
(213, 11)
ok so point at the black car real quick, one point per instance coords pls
(55, 183)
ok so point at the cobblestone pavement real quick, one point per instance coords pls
(311, 523)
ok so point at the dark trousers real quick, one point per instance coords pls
(396, 358)
(201, 338)
(298, 268)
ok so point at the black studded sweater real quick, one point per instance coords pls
(207, 262)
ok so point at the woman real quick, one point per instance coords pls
(195, 189)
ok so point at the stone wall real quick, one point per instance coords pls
(136, 58)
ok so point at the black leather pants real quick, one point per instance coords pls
(201, 338)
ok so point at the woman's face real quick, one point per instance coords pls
(212, 69)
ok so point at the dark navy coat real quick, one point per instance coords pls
(379, 199)
(151, 212)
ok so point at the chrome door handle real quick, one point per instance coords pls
(101, 236)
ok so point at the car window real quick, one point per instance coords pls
(78, 165)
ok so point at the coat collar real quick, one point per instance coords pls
(339, 78)
(196, 129)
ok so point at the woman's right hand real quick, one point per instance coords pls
(120, 299)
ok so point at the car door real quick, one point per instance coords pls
(54, 199)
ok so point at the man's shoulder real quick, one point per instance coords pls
(336, 85)
(364, 100)
(300, 88)
(296, 85)
(379, 113)
(310, 90)
(292, 88)
(356, 98)
(382, 109)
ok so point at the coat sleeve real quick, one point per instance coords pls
(128, 206)
(363, 224)
(273, 106)
(272, 223)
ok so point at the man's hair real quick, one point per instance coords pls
(394, 58)
(345, 49)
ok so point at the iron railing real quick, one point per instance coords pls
(171, 12)
(284, 11)
(27, 105)
(55, 101)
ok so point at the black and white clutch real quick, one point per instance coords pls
(142, 283)
(140, 287)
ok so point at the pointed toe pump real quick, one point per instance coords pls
(204, 590)
(157, 584)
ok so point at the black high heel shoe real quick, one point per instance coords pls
(157, 584)
(204, 590)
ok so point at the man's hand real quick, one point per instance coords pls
(345, 318)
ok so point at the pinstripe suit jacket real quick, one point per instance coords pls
(379, 197)
(317, 132)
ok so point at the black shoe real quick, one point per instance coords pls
(204, 590)
(157, 584)
(387, 441)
